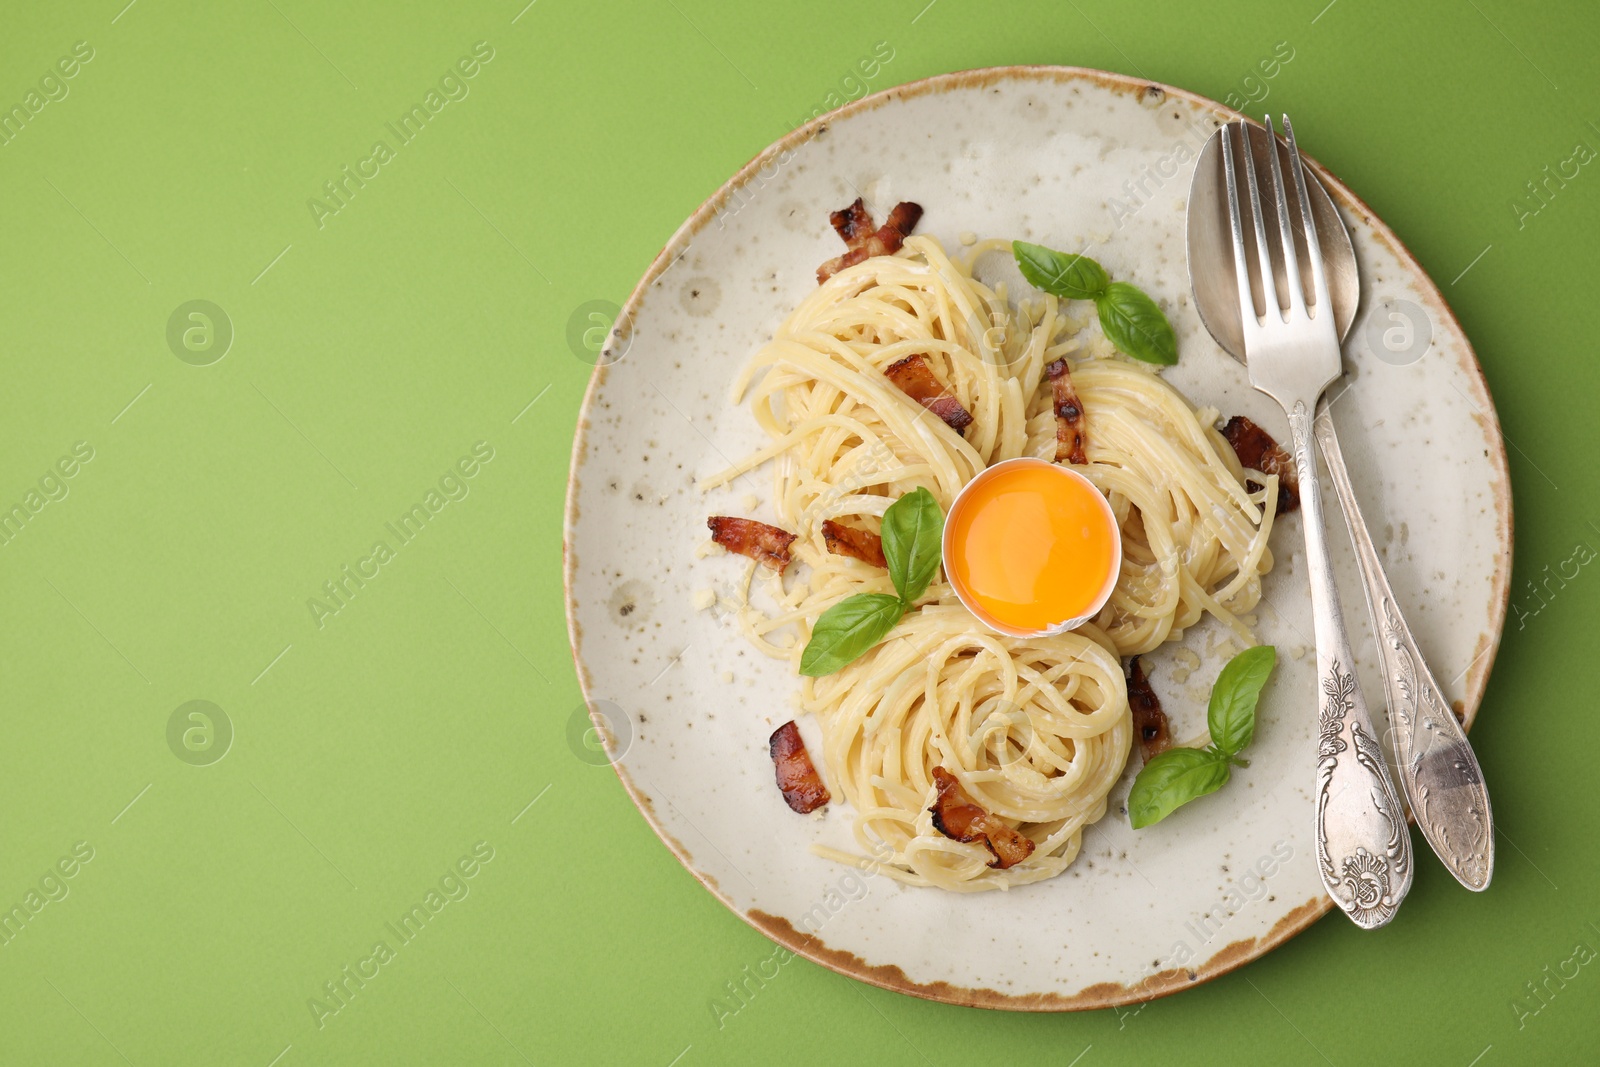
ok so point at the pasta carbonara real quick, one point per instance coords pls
(1037, 731)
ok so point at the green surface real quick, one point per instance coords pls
(371, 352)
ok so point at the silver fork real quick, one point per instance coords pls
(1292, 352)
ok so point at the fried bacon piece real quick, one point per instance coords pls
(1257, 451)
(854, 225)
(762, 543)
(1149, 721)
(858, 544)
(916, 379)
(957, 817)
(1071, 436)
(797, 776)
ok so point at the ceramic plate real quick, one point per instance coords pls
(1067, 158)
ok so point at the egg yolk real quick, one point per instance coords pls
(1033, 547)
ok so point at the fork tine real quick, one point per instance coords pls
(1269, 285)
(1291, 259)
(1241, 268)
(1308, 223)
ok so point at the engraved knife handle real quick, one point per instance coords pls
(1363, 846)
(1438, 770)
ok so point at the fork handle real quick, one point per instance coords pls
(1363, 846)
(1438, 769)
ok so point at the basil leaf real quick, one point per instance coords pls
(1231, 715)
(1171, 780)
(848, 629)
(1134, 323)
(913, 530)
(1065, 275)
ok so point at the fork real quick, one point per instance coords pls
(1292, 353)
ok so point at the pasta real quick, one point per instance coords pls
(1036, 730)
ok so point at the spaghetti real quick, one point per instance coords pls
(1036, 730)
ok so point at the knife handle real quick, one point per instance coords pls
(1438, 770)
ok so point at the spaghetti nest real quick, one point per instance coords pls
(1037, 731)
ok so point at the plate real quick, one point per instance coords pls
(1069, 158)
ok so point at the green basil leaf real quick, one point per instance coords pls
(1232, 712)
(1134, 323)
(848, 629)
(1171, 780)
(913, 531)
(1063, 274)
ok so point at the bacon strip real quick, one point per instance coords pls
(859, 544)
(903, 218)
(957, 817)
(854, 224)
(762, 543)
(1071, 435)
(1257, 451)
(797, 776)
(1149, 721)
(916, 379)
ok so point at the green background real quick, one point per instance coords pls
(371, 352)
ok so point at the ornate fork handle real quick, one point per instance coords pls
(1363, 847)
(1438, 769)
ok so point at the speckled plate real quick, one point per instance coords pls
(1063, 157)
